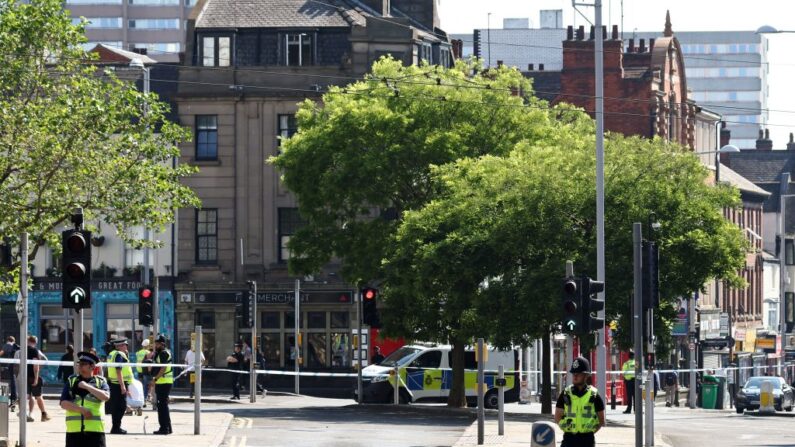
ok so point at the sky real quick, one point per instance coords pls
(462, 16)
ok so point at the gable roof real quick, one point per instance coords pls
(762, 166)
(279, 13)
(742, 183)
(112, 55)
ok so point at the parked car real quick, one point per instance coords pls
(748, 397)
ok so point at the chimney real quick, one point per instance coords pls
(458, 48)
(763, 143)
(725, 134)
(499, 64)
(631, 46)
(379, 6)
(614, 34)
(642, 47)
(581, 33)
(570, 33)
(604, 32)
(651, 44)
(791, 144)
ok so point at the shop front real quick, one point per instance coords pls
(113, 313)
(327, 318)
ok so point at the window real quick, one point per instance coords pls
(270, 320)
(155, 2)
(154, 24)
(430, 359)
(206, 137)
(170, 47)
(122, 322)
(190, 3)
(93, 2)
(424, 52)
(340, 320)
(99, 22)
(205, 319)
(287, 127)
(216, 51)
(206, 236)
(289, 223)
(316, 320)
(298, 50)
(57, 329)
(789, 252)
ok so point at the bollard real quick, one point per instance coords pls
(766, 399)
(542, 435)
(396, 385)
(613, 394)
(501, 401)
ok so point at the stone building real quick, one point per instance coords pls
(246, 66)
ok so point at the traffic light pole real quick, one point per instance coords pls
(297, 335)
(252, 363)
(22, 389)
(637, 326)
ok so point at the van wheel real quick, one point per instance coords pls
(492, 400)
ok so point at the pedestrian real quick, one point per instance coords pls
(235, 362)
(377, 356)
(119, 378)
(246, 362)
(163, 379)
(672, 389)
(260, 365)
(82, 398)
(731, 381)
(35, 382)
(582, 406)
(143, 373)
(190, 360)
(628, 369)
(9, 349)
(64, 371)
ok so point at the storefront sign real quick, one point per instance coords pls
(766, 343)
(97, 285)
(681, 322)
(710, 324)
(739, 334)
(724, 325)
(277, 297)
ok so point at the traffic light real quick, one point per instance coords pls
(247, 309)
(591, 304)
(370, 315)
(571, 306)
(76, 269)
(651, 276)
(146, 305)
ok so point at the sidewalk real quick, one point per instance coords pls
(517, 433)
(139, 428)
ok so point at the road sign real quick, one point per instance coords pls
(20, 307)
(542, 435)
(571, 325)
(77, 295)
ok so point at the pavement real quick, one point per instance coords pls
(139, 429)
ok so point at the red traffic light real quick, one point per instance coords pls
(145, 293)
(76, 243)
(369, 294)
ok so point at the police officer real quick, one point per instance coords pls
(82, 399)
(119, 377)
(580, 411)
(629, 381)
(163, 379)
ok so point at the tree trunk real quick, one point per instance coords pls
(546, 374)
(457, 397)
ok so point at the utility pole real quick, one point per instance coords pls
(252, 373)
(637, 327)
(691, 386)
(22, 390)
(297, 335)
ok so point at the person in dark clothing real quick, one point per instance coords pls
(9, 349)
(82, 398)
(235, 362)
(377, 357)
(120, 378)
(580, 410)
(65, 371)
(163, 379)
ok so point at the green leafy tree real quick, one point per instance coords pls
(72, 136)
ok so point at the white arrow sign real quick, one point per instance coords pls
(542, 437)
(571, 324)
(77, 294)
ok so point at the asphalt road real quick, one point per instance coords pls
(683, 427)
(299, 422)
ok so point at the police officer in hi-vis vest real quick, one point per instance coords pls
(163, 379)
(82, 399)
(580, 411)
(119, 378)
(628, 369)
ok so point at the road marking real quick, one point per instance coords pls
(233, 441)
(249, 423)
(243, 440)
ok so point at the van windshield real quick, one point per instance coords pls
(400, 357)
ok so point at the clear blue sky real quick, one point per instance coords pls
(462, 16)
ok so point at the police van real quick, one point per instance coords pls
(426, 375)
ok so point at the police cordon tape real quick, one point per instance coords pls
(275, 372)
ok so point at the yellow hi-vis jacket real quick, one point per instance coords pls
(76, 422)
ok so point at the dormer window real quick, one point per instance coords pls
(299, 50)
(216, 51)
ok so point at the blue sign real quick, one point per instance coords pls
(543, 435)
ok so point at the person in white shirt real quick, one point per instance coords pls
(190, 360)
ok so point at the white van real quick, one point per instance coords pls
(426, 375)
